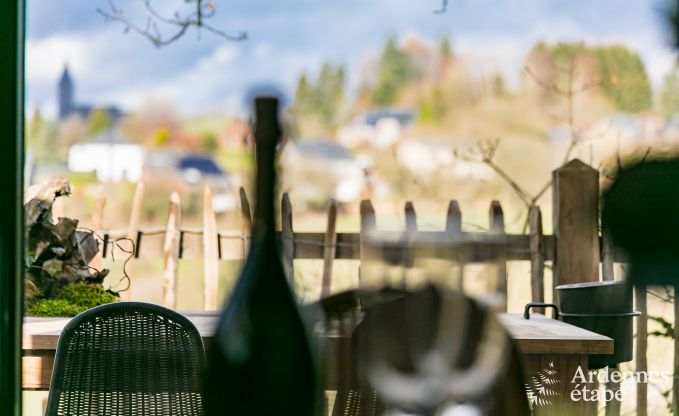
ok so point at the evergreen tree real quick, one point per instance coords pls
(445, 49)
(41, 138)
(625, 79)
(329, 93)
(98, 121)
(323, 98)
(669, 94)
(35, 125)
(395, 70)
(499, 88)
(621, 72)
(303, 95)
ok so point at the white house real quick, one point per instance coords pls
(425, 157)
(322, 169)
(110, 156)
(380, 128)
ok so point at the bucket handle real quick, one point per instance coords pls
(526, 312)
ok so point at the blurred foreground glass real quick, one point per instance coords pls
(430, 351)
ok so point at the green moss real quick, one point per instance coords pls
(73, 299)
(53, 307)
(86, 295)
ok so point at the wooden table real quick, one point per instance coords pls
(549, 344)
(544, 343)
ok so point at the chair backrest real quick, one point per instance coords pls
(128, 358)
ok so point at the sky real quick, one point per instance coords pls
(204, 73)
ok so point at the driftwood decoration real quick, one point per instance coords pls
(57, 253)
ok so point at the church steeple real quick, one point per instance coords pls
(65, 94)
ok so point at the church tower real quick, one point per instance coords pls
(65, 94)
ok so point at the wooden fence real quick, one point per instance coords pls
(576, 250)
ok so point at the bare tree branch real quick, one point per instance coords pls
(443, 8)
(197, 18)
(484, 152)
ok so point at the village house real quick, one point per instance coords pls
(110, 156)
(329, 170)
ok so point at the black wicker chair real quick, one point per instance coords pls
(128, 358)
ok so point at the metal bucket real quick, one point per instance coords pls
(604, 308)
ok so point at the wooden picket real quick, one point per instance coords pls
(368, 225)
(171, 253)
(288, 237)
(329, 249)
(210, 253)
(408, 237)
(640, 359)
(608, 274)
(537, 260)
(675, 367)
(134, 233)
(454, 229)
(497, 227)
(98, 221)
(246, 219)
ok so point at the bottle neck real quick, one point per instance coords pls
(265, 190)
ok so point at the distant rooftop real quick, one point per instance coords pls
(323, 149)
(404, 117)
(111, 136)
(200, 163)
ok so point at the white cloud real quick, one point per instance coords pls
(45, 58)
(223, 55)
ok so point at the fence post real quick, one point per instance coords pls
(98, 221)
(454, 228)
(497, 226)
(246, 219)
(367, 213)
(640, 360)
(537, 256)
(210, 252)
(608, 274)
(330, 249)
(675, 383)
(171, 252)
(288, 236)
(576, 223)
(133, 230)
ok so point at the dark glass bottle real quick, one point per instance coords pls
(261, 362)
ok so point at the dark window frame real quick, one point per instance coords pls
(11, 202)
